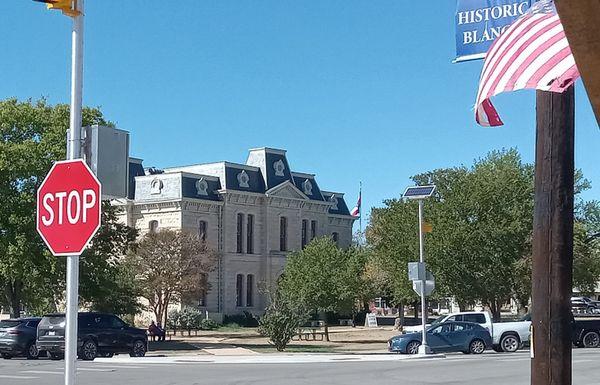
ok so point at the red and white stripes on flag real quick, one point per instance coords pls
(356, 210)
(532, 53)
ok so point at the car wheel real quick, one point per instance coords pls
(6, 356)
(89, 350)
(591, 340)
(510, 343)
(413, 347)
(32, 351)
(55, 356)
(477, 346)
(138, 349)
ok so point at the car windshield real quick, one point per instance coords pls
(437, 321)
(52, 320)
(526, 317)
(8, 324)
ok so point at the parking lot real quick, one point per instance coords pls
(490, 368)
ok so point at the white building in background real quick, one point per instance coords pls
(253, 214)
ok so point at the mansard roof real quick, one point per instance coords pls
(339, 206)
(308, 185)
(233, 176)
(273, 165)
(266, 171)
(176, 185)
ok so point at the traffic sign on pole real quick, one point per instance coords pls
(68, 207)
(82, 212)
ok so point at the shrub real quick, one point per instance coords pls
(246, 319)
(190, 318)
(281, 321)
(173, 320)
(208, 324)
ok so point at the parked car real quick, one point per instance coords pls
(586, 332)
(17, 338)
(506, 336)
(466, 337)
(98, 334)
(584, 305)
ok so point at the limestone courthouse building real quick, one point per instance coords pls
(253, 214)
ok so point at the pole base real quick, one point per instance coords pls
(424, 349)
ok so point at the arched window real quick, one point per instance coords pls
(313, 230)
(239, 290)
(240, 233)
(250, 234)
(304, 232)
(204, 284)
(335, 237)
(202, 226)
(250, 290)
(153, 226)
(283, 234)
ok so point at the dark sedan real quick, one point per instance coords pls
(17, 337)
(466, 337)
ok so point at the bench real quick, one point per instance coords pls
(153, 336)
(310, 331)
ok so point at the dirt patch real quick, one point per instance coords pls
(343, 339)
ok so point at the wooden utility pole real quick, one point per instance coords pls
(553, 239)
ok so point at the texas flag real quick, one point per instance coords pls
(356, 210)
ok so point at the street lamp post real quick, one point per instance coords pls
(424, 348)
(420, 193)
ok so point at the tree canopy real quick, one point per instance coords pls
(171, 265)
(480, 247)
(32, 137)
(324, 278)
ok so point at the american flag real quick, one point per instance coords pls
(356, 210)
(532, 53)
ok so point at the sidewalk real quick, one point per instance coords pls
(272, 358)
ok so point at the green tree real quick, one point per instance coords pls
(322, 277)
(586, 247)
(393, 236)
(480, 247)
(171, 265)
(107, 279)
(482, 219)
(32, 137)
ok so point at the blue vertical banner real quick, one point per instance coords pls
(479, 22)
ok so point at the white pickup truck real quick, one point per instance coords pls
(506, 336)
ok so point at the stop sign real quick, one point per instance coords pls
(68, 207)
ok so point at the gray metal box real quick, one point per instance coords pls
(416, 271)
(106, 151)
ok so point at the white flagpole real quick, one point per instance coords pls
(360, 213)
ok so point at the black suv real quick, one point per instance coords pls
(98, 335)
(17, 337)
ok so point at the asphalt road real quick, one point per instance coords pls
(488, 369)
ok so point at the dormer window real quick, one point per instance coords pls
(279, 168)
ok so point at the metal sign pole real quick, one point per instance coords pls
(424, 348)
(74, 153)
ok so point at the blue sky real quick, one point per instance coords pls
(354, 90)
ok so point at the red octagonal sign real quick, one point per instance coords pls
(68, 207)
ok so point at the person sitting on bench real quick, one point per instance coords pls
(156, 331)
